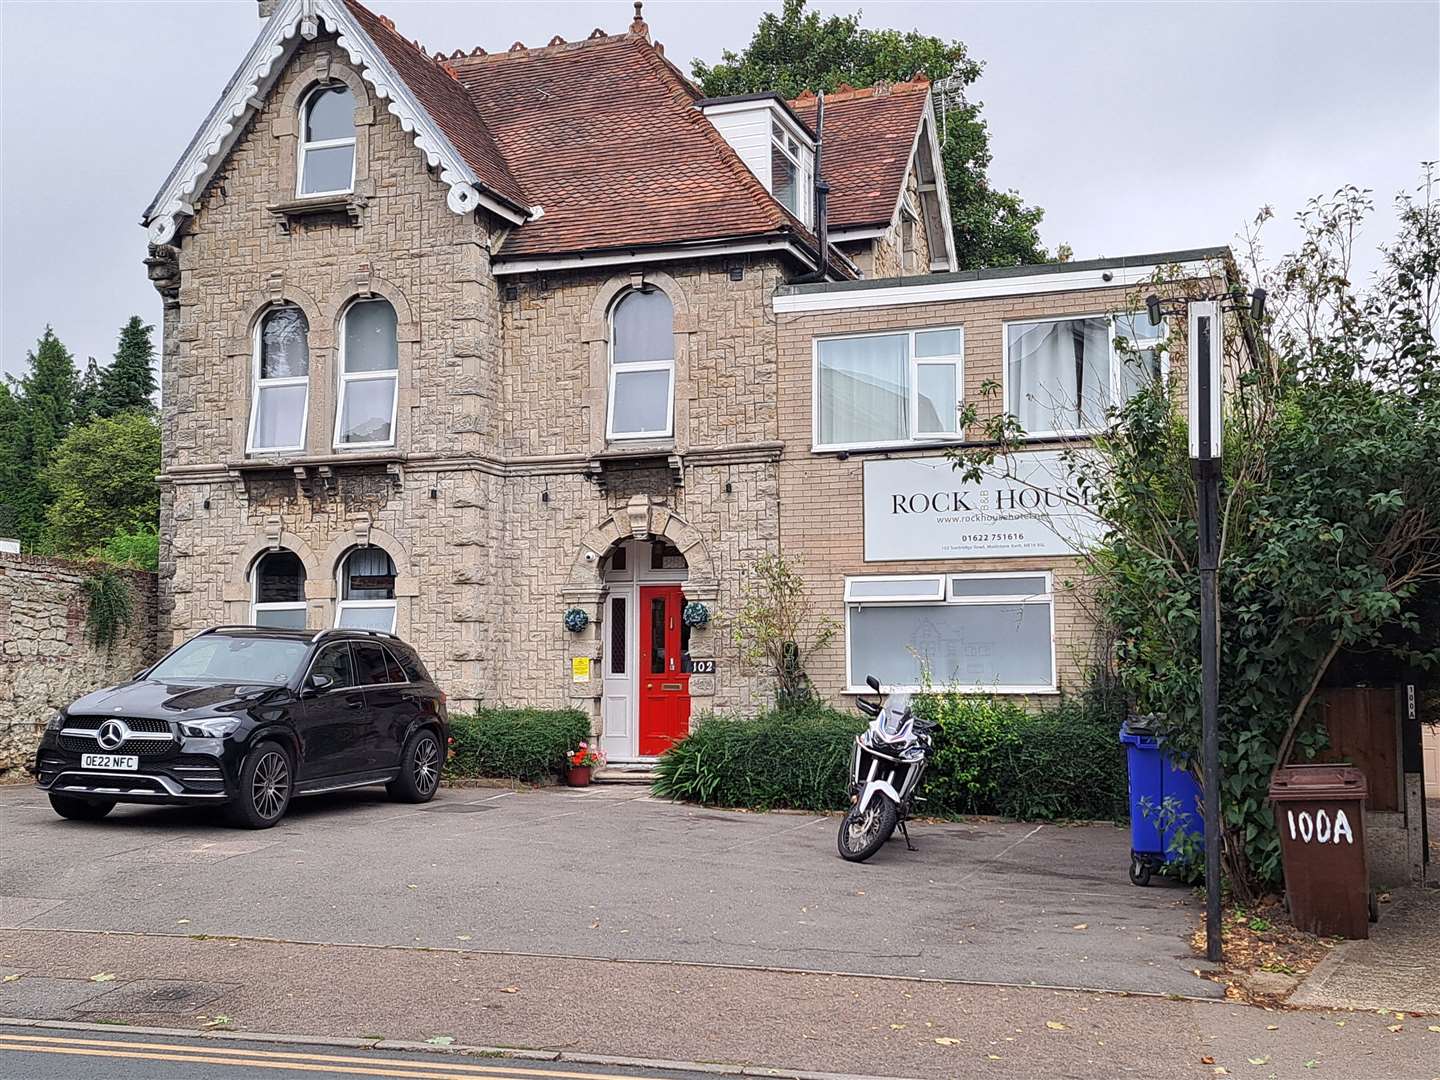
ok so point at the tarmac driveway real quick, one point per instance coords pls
(610, 873)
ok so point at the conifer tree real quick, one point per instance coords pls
(38, 415)
(128, 383)
(87, 397)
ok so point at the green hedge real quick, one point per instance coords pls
(514, 744)
(796, 759)
(992, 757)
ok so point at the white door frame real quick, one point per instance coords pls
(620, 693)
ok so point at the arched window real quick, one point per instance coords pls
(281, 391)
(369, 366)
(367, 590)
(278, 590)
(327, 141)
(642, 366)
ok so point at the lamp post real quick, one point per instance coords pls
(1205, 391)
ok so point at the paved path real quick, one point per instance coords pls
(611, 873)
(1398, 967)
(677, 1012)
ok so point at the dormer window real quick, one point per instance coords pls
(327, 141)
(786, 170)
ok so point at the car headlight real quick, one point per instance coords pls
(57, 721)
(216, 728)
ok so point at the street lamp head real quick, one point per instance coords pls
(1152, 308)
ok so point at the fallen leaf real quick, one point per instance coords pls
(1396, 1027)
(1383, 898)
(103, 976)
(1272, 1027)
(1207, 1060)
(1312, 1064)
(897, 1027)
(1055, 1025)
(182, 922)
(1081, 926)
(412, 886)
(1220, 1070)
(992, 1057)
(948, 1042)
(218, 1021)
(509, 989)
(595, 925)
(462, 937)
(1399, 1016)
(1259, 1061)
(12, 978)
(1433, 1027)
(440, 1040)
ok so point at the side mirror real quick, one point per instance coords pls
(318, 684)
(873, 683)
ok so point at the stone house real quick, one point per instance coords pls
(456, 344)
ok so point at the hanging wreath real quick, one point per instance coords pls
(576, 620)
(695, 614)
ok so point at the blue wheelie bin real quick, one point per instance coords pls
(1154, 777)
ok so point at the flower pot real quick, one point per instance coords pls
(578, 775)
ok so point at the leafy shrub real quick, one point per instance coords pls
(139, 550)
(514, 744)
(781, 758)
(976, 734)
(992, 757)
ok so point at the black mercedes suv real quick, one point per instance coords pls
(248, 718)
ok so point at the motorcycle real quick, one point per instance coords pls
(886, 765)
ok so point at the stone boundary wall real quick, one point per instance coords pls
(46, 659)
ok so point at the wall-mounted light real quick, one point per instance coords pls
(205, 504)
(434, 492)
(729, 487)
(737, 273)
(545, 496)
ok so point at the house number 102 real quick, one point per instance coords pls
(1318, 827)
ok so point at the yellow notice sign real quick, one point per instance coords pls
(580, 669)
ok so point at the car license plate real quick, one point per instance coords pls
(123, 762)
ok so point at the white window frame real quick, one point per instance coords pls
(342, 606)
(256, 607)
(321, 144)
(1046, 598)
(912, 365)
(1109, 317)
(781, 136)
(256, 383)
(345, 378)
(641, 365)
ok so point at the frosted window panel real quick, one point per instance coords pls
(975, 645)
(370, 343)
(281, 618)
(280, 417)
(937, 343)
(784, 180)
(938, 394)
(284, 344)
(1059, 374)
(368, 618)
(644, 328)
(642, 403)
(331, 115)
(1005, 586)
(864, 389)
(369, 404)
(329, 168)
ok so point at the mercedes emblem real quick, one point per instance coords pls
(112, 734)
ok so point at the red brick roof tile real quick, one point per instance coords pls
(446, 102)
(604, 135)
(868, 137)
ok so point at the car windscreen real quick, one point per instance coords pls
(221, 658)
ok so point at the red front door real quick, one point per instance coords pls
(664, 682)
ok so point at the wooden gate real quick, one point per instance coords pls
(1364, 727)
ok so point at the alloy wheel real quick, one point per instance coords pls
(425, 767)
(862, 828)
(271, 784)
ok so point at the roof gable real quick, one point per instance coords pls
(474, 176)
(868, 142)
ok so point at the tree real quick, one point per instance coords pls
(777, 630)
(38, 415)
(129, 381)
(798, 50)
(1330, 518)
(103, 477)
(87, 396)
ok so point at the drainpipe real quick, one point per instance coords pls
(822, 201)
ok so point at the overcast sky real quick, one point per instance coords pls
(1138, 126)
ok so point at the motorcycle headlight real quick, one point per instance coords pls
(57, 721)
(216, 728)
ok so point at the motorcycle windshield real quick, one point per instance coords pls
(894, 718)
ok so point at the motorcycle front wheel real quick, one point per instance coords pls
(861, 835)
